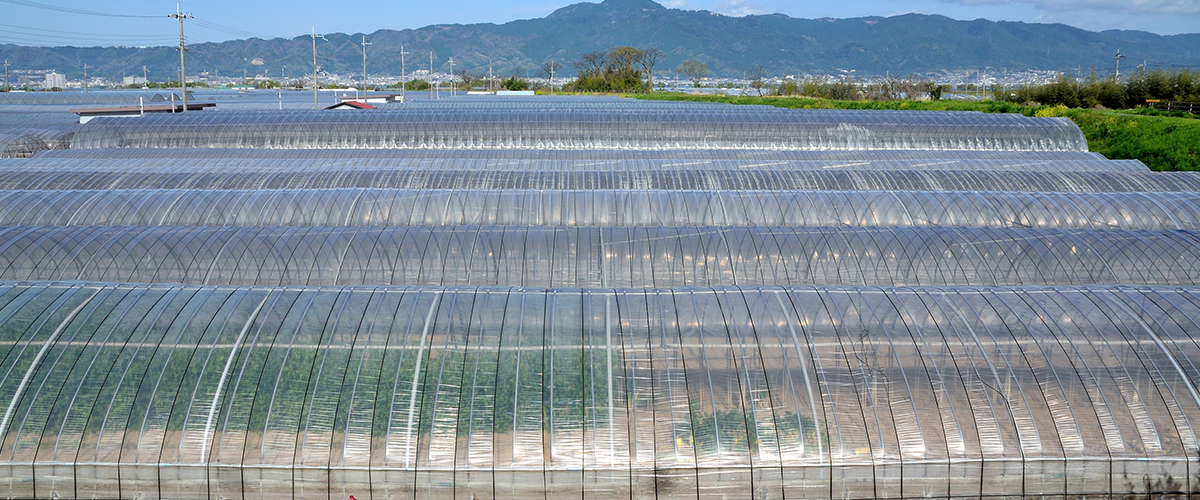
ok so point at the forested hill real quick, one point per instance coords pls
(905, 44)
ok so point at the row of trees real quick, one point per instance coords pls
(466, 81)
(1142, 84)
(888, 88)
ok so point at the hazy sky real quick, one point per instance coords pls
(30, 22)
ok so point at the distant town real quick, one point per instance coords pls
(51, 79)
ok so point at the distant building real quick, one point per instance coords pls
(133, 80)
(351, 105)
(55, 80)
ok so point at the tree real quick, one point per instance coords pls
(694, 70)
(417, 84)
(466, 78)
(757, 76)
(549, 68)
(515, 82)
(622, 72)
(592, 64)
(650, 57)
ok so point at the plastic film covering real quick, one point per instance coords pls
(635, 165)
(654, 257)
(708, 127)
(480, 164)
(541, 159)
(599, 208)
(20, 146)
(55, 129)
(738, 180)
(188, 392)
(1036, 158)
(16, 99)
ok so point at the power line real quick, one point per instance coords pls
(36, 5)
(26, 28)
(205, 24)
(20, 37)
(182, 48)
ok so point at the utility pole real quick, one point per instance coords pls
(314, 40)
(6, 85)
(1117, 68)
(145, 78)
(451, 76)
(431, 75)
(84, 78)
(364, 48)
(182, 69)
(283, 78)
(403, 82)
(489, 76)
(552, 78)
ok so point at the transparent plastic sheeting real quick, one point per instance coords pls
(599, 208)
(515, 159)
(688, 127)
(20, 146)
(216, 165)
(53, 130)
(654, 257)
(542, 159)
(594, 155)
(187, 392)
(64, 98)
(757, 180)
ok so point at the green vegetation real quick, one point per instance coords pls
(414, 84)
(1163, 143)
(619, 69)
(1142, 85)
(515, 82)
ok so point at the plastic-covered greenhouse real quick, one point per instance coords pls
(595, 298)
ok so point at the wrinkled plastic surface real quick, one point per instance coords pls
(599, 208)
(204, 392)
(651, 257)
(749, 179)
(594, 127)
(681, 301)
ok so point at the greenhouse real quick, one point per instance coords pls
(578, 298)
(367, 207)
(598, 127)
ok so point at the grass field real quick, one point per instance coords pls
(1163, 143)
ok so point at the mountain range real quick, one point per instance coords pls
(903, 44)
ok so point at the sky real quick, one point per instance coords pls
(145, 22)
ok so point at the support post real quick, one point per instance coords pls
(182, 48)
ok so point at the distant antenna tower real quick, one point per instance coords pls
(403, 82)
(182, 48)
(1117, 69)
(364, 49)
(315, 36)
